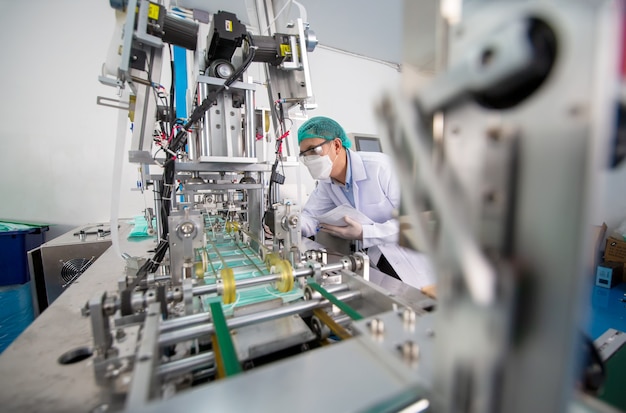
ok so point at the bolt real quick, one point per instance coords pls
(487, 57)
(85, 312)
(293, 221)
(186, 228)
(410, 350)
(491, 197)
(576, 110)
(100, 408)
(377, 326)
(494, 133)
(120, 334)
(408, 316)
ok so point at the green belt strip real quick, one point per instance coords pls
(350, 312)
(224, 341)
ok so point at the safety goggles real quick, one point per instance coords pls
(316, 150)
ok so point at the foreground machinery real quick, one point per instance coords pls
(499, 147)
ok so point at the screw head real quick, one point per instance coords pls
(408, 316)
(410, 350)
(377, 326)
(186, 229)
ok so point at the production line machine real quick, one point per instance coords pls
(222, 317)
(221, 299)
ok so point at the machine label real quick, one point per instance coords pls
(229, 25)
(153, 11)
(285, 49)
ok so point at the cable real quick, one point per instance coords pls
(181, 137)
(172, 116)
(200, 110)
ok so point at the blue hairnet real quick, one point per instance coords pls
(323, 127)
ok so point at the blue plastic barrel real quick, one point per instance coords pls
(16, 312)
(16, 306)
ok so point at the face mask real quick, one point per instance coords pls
(319, 166)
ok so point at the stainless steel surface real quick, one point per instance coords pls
(143, 381)
(269, 337)
(374, 381)
(37, 381)
(60, 262)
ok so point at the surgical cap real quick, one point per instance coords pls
(322, 127)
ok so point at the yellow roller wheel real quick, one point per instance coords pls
(228, 227)
(285, 282)
(271, 259)
(200, 266)
(198, 271)
(228, 282)
(236, 226)
(205, 260)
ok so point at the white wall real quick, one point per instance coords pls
(613, 197)
(58, 144)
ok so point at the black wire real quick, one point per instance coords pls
(172, 115)
(181, 137)
(200, 110)
(152, 265)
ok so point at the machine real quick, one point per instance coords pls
(234, 312)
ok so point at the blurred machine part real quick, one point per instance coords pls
(507, 154)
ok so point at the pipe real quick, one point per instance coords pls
(191, 333)
(186, 365)
(250, 282)
(190, 320)
(250, 133)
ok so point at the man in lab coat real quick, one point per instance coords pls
(363, 180)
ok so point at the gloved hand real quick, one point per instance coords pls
(353, 229)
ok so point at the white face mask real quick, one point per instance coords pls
(319, 166)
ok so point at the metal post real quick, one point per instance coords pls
(142, 385)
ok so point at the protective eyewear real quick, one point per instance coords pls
(316, 150)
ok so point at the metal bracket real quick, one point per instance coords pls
(114, 103)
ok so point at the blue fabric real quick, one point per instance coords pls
(348, 189)
(180, 68)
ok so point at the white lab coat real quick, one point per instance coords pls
(376, 194)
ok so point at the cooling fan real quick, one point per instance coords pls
(74, 268)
